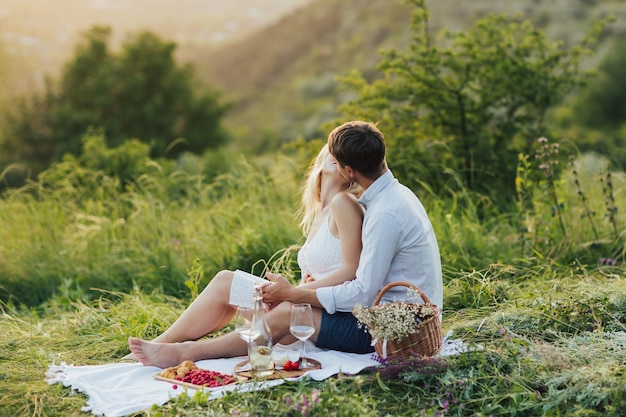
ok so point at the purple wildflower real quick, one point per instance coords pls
(315, 396)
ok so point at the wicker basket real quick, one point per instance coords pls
(427, 342)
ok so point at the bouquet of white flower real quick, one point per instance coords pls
(402, 329)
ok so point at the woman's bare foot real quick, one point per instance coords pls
(157, 354)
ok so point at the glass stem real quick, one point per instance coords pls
(305, 364)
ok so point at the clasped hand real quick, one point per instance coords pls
(278, 291)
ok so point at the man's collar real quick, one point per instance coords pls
(381, 182)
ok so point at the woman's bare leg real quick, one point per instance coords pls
(209, 312)
(170, 354)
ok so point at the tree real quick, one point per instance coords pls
(469, 103)
(140, 93)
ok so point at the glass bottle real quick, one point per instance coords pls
(260, 348)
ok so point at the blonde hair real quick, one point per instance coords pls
(312, 190)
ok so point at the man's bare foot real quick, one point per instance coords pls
(157, 354)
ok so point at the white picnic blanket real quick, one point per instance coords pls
(119, 389)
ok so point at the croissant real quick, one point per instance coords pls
(179, 370)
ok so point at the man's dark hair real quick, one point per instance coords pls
(360, 145)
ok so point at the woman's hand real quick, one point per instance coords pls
(306, 278)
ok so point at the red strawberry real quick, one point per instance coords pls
(291, 366)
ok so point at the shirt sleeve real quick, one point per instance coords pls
(381, 239)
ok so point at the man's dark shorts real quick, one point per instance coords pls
(340, 331)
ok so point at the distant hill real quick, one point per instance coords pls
(281, 77)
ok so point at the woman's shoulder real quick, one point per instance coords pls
(344, 197)
(344, 200)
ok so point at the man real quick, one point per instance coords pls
(399, 244)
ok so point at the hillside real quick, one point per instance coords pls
(281, 78)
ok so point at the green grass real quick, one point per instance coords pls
(535, 357)
(85, 266)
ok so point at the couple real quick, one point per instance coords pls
(353, 249)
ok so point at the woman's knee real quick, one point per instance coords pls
(224, 276)
(220, 282)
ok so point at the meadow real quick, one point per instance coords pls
(89, 257)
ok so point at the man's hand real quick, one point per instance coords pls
(279, 290)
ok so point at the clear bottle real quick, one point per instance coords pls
(260, 348)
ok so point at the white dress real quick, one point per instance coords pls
(320, 255)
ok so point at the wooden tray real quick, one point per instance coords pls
(194, 386)
(278, 373)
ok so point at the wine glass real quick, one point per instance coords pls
(302, 327)
(243, 323)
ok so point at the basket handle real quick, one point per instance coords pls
(403, 284)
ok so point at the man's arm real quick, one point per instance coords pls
(381, 240)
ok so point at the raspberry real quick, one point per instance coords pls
(207, 378)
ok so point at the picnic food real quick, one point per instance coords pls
(204, 377)
(178, 371)
(189, 372)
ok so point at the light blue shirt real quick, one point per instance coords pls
(399, 244)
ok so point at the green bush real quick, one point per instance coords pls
(139, 93)
(467, 102)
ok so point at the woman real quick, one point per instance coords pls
(331, 220)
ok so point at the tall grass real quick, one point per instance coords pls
(145, 233)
